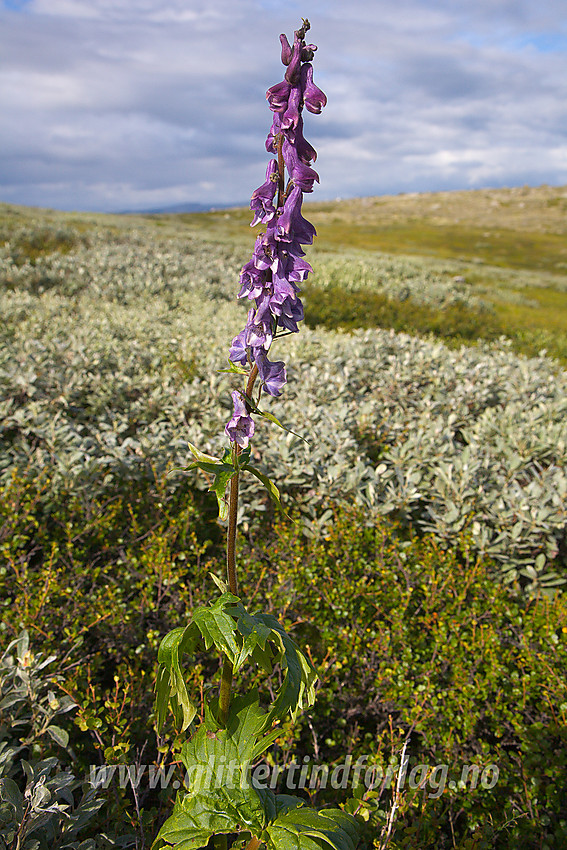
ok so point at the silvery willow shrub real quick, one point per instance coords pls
(232, 731)
(42, 803)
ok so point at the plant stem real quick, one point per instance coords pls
(226, 676)
(225, 691)
(281, 170)
(231, 532)
(233, 504)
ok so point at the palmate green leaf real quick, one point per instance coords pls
(297, 691)
(218, 627)
(191, 829)
(212, 747)
(308, 829)
(227, 626)
(231, 629)
(247, 725)
(220, 797)
(298, 687)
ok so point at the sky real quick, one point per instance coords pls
(112, 105)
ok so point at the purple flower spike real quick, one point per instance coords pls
(241, 426)
(272, 276)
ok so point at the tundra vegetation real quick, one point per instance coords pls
(421, 558)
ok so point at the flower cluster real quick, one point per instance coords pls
(272, 276)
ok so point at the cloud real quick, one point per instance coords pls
(112, 105)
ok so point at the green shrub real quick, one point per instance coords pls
(334, 308)
(411, 640)
(419, 643)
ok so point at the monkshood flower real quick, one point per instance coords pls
(241, 427)
(271, 278)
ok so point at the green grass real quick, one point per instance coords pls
(503, 248)
(335, 308)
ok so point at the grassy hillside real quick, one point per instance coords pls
(509, 247)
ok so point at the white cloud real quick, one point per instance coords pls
(123, 103)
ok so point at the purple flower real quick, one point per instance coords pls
(237, 352)
(313, 97)
(305, 151)
(286, 49)
(241, 426)
(291, 224)
(277, 96)
(252, 281)
(294, 65)
(272, 375)
(258, 331)
(290, 117)
(262, 202)
(265, 249)
(300, 173)
(291, 313)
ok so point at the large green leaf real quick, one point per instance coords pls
(298, 687)
(297, 691)
(236, 743)
(308, 829)
(228, 627)
(194, 820)
(220, 797)
(171, 690)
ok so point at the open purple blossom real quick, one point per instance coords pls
(272, 374)
(272, 276)
(241, 426)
